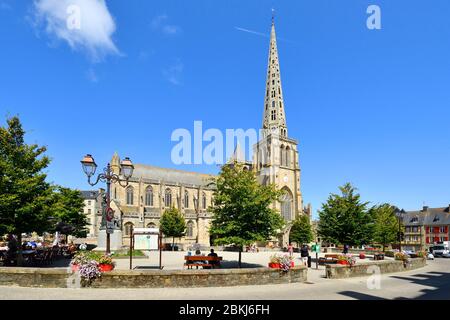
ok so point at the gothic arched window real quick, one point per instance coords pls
(288, 157)
(151, 225)
(282, 155)
(128, 227)
(149, 196)
(168, 198)
(286, 206)
(204, 200)
(186, 199)
(190, 229)
(130, 195)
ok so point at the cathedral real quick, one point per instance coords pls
(151, 190)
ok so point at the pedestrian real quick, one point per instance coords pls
(290, 249)
(304, 254)
(345, 249)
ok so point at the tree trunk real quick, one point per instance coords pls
(240, 257)
(19, 250)
(173, 243)
(384, 247)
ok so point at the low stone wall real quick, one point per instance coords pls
(199, 278)
(62, 278)
(336, 271)
(34, 277)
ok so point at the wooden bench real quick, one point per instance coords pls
(202, 261)
(330, 258)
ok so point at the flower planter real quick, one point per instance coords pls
(343, 262)
(278, 265)
(106, 267)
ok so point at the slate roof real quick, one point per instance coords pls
(170, 176)
(90, 194)
(428, 216)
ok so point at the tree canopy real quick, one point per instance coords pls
(67, 212)
(301, 231)
(25, 195)
(386, 224)
(344, 218)
(242, 212)
(172, 224)
(28, 203)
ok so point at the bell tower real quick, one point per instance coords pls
(276, 158)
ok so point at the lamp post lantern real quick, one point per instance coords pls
(126, 170)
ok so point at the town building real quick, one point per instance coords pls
(93, 210)
(424, 228)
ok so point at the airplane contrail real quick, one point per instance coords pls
(262, 34)
(252, 32)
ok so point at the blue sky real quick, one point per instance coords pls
(369, 107)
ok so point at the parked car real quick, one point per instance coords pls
(446, 255)
(440, 248)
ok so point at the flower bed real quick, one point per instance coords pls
(281, 261)
(346, 259)
(90, 265)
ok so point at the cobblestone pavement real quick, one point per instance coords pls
(430, 282)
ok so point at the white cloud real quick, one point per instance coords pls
(159, 24)
(86, 25)
(173, 73)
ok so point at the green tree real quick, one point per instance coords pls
(242, 209)
(67, 212)
(344, 219)
(172, 224)
(386, 224)
(25, 195)
(301, 231)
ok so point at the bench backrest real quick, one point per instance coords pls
(202, 258)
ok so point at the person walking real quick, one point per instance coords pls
(290, 249)
(304, 254)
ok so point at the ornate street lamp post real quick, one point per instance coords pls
(400, 215)
(126, 170)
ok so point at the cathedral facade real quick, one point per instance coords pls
(275, 160)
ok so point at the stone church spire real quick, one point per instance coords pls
(274, 116)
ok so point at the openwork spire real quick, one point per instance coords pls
(274, 116)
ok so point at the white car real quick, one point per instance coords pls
(430, 256)
(446, 255)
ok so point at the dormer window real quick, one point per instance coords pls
(414, 220)
(436, 218)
